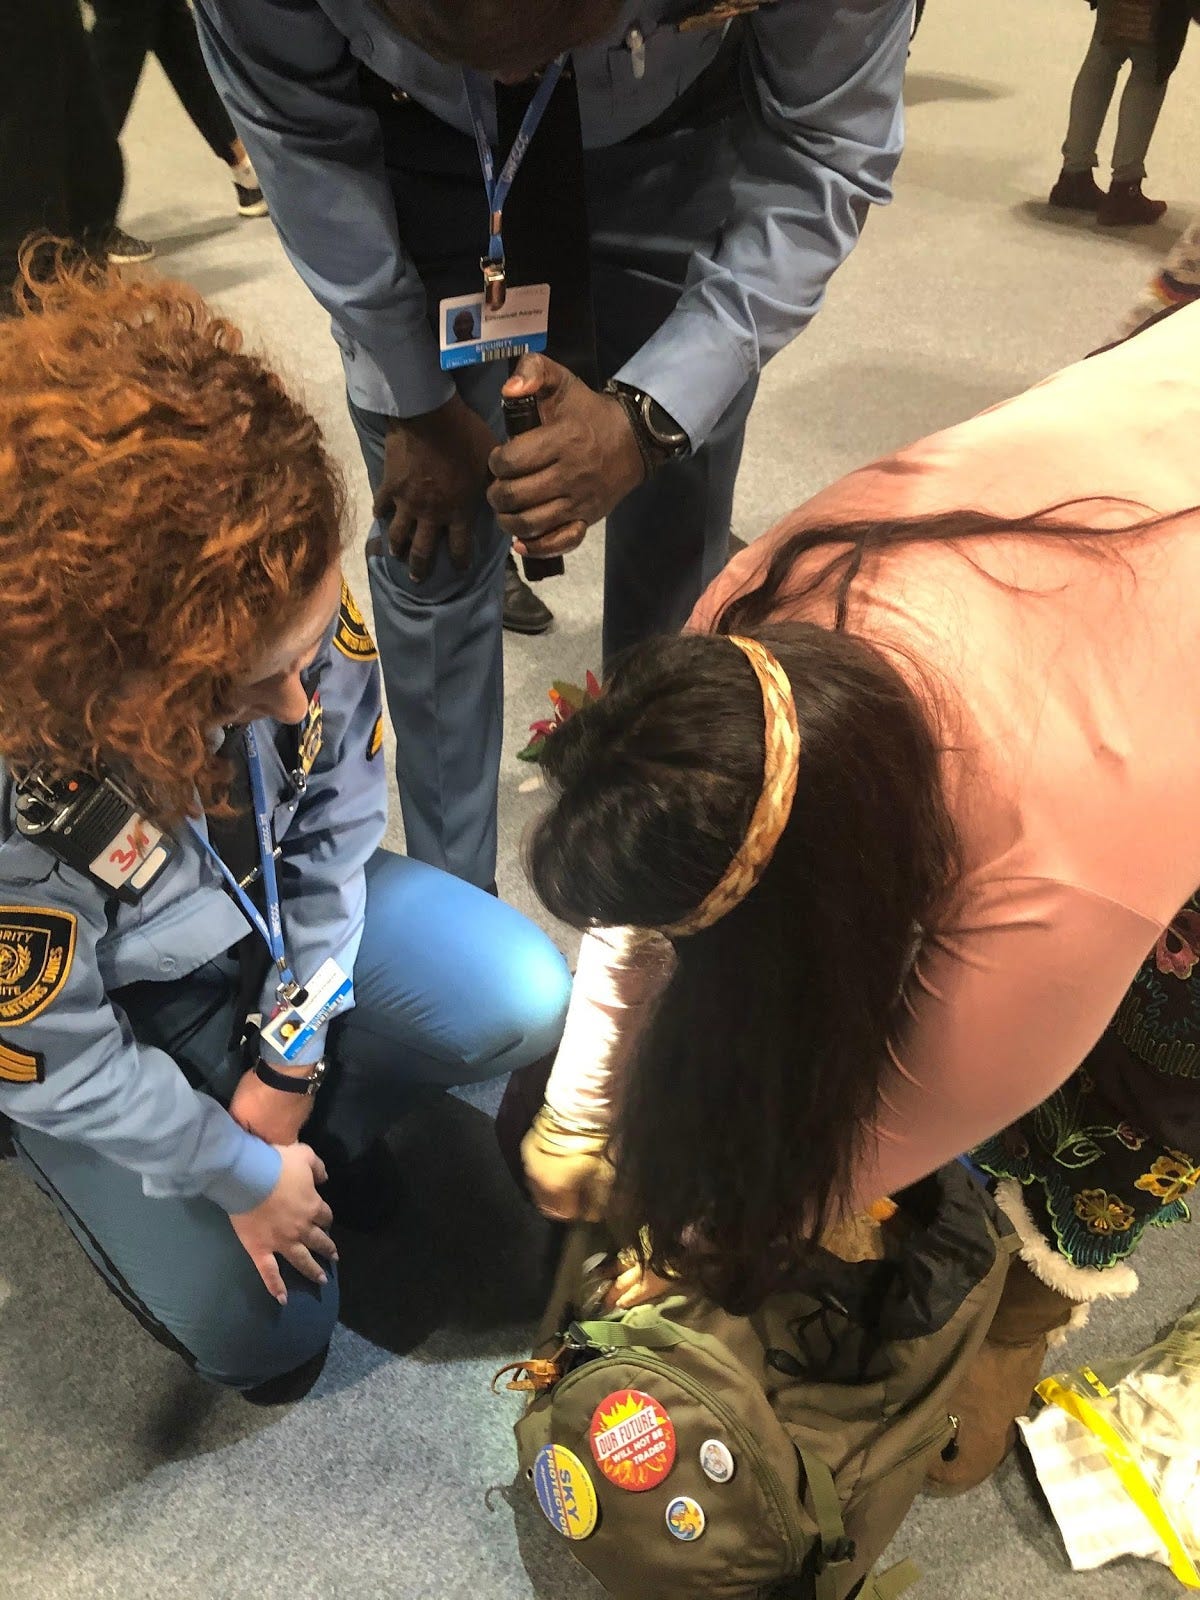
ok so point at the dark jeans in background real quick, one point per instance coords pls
(126, 32)
(60, 164)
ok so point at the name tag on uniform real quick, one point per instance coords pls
(328, 992)
(473, 332)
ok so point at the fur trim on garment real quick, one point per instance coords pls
(1081, 1284)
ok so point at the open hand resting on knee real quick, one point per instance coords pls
(290, 1222)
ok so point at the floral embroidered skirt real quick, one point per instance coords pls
(1117, 1149)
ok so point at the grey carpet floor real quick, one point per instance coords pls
(122, 1476)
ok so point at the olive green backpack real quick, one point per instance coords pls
(684, 1452)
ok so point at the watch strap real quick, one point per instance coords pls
(652, 456)
(282, 1080)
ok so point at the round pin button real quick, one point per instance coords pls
(633, 1440)
(685, 1518)
(716, 1461)
(565, 1492)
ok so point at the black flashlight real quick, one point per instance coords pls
(520, 416)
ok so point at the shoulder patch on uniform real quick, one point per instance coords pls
(353, 637)
(311, 734)
(21, 1066)
(375, 742)
(37, 947)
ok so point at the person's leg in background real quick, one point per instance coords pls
(124, 33)
(96, 170)
(34, 192)
(1076, 189)
(177, 1265)
(451, 986)
(1125, 205)
(177, 47)
(120, 40)
(668, 539)
(60, 164)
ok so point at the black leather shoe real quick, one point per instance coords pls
(288, 1386)
(365, 1194)
(523, 611)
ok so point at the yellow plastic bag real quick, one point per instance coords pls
(1145, 1415)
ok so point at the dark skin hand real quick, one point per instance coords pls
(435, 473)
(554, 482)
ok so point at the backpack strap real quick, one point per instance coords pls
(895, 1581)
(833, 1548)
(658, 1335)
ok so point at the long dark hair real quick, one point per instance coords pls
(759, 1072)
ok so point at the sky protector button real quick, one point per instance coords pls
(565, 1493)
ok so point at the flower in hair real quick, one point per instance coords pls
(566, 699)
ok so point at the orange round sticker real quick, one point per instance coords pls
(633, 1440)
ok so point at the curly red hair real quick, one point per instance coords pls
(165, 504)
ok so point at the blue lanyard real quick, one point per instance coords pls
(270, 930)
(495, 187)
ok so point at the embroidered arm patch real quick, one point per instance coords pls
(37, 947)
(353, 637)
(21, 1066)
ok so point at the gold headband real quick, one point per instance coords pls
(780, 768)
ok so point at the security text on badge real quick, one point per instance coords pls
(329, 991)
(471, 333)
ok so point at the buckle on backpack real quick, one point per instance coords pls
(837, 1554)
(538, 1375)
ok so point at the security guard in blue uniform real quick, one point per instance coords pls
(165, 991)
(716, 157)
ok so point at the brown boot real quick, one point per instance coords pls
(1000, 1382)
(1125, 206)
(1076, 191)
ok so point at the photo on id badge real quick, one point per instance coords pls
(471, 333)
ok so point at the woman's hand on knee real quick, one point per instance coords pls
(291, 1222)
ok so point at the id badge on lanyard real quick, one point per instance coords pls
(303, 1007)
(502, 320)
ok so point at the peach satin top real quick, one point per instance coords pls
(1072, 763)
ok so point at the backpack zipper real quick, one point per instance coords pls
(946, 1433)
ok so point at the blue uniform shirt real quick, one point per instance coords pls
(820, 143)
(69, 1064)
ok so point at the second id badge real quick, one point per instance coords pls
(472, 332)
(291, 1028)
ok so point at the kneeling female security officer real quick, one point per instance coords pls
(169, 567)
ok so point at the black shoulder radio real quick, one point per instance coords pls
(95, 826)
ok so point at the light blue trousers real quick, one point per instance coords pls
(451, 986)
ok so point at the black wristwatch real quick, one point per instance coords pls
(289, 1085)
(659, 437)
